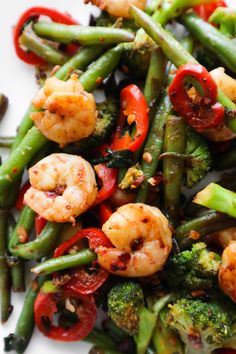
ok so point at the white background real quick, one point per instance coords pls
(17, 81)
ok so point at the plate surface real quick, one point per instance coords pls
(19, 84)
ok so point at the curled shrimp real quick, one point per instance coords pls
(227, 273)
(67, 112)
(63, 186)
(118, 8)
(141, 238)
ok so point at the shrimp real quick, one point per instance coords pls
(67, 112)
(118, 8)
(227, 273)
(63, 186)
(141, 238)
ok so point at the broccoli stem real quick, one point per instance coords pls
(174, 51)
(203, 226)
(83, 257)
(173, 168)
(147, 322)
(212, 38)
(218, 198)
(29, 40)
(85, 35)
(165, 340)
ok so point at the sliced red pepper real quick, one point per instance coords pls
(104, 212)
(134, 108)
(20, 200)
(108, 177)
(32, 14)
(45, 307)
(40, 222)
(205, 11)
(203, 113)
(81, 280)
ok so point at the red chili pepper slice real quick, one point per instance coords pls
(40, 222)
(81, 280)
(34, 13)
(134, 108)
(203, 113)
(20, 200)
(46, 306)
(205, 11)
(104, 212)
(108, 177)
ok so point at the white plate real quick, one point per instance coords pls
(17, 81)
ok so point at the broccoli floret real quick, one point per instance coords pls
(199, 161)
(124, 302)
(194, 269)
(202, 326)
(137, 54)
(127, 309)
(133, 177)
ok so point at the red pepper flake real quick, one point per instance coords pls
(194, 235)
(121, 262)
(99, 80)
(14, 170)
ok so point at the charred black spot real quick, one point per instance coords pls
(137, 244)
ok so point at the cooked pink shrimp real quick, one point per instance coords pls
(63, 186)
(227, 273)
(118, 8)
(141, 238)
(68, 112)
(224, 237)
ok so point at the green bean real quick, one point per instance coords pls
(101, 68)
(41, 246)
(83, 257)
(25, 324)
(23, 227)
(85, 35)
(175, 52)
(170, 10)
(152, 6)
(80, 61)
(13, 167)
(154, 146)
(203, 225)
(155, 76)
(5, 285)
(29, 40)
(213, 39)
(173, 168)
